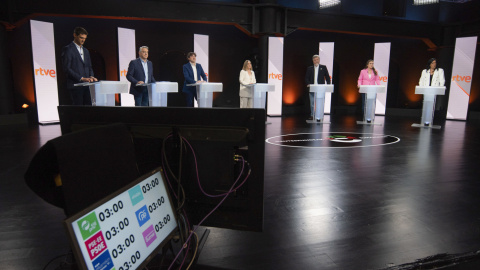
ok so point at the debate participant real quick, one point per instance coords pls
(431, 75)
(78, 68)
(316, 74)
(193, 73)
(140, 71)
(247, 76)
(368, 76)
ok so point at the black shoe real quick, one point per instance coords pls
(318, 120)
(310, 118)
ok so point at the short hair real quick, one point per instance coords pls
(190, 54)
(143, 47)
(245, 64)
(315, 56)
(80, 31)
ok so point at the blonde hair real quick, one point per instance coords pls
(245, 64)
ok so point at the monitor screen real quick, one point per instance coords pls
(124, 230)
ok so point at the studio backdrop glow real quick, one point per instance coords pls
(381, 57)
(326, 58)
(461, 82)
(127, 51)
(44, 71)
(275, 75)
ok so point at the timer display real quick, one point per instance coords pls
(123, 230)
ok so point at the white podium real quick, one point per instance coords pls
(370, 92)
(158, 93)
(319, 90)
(103, 92)
(429, 95)
(260, 93)
(205, 93)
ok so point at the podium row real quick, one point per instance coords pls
(103, 94)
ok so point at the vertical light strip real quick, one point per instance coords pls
(44, 71)
(381, 57)
(200, 47)
(461, 83)
(126, 52)
(275, 75)
(326, 50)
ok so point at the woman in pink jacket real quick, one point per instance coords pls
(369, 75)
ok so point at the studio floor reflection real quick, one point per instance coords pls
(325, 207)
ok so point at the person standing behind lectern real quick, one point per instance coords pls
(316, 74)
(193, 73)
(78, 68)
(247, 76)
(432, 75)
(140, 71)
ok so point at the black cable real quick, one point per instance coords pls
(54, 260)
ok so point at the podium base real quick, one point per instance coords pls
(368, 123)
(317, 122)
(425, 126)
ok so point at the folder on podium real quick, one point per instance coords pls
(158, 93)
(260, 93)
(205, 93)
(370, 92)
(103, 92)
(429, 95)
(319, 90)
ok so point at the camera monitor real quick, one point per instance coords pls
(125, 229)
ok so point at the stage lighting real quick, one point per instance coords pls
(328, 3)
(424, 2)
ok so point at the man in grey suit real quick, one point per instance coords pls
(78, 67)
(316, 74)
(140, 71)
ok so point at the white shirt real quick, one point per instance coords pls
(194, 67)
(145, 69)
(315, 76)
(80, 50)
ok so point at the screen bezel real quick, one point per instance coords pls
(68, 222)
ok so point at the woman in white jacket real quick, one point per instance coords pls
(432, 76)
(247, 76)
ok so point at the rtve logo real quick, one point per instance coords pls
(383, 79)
(275, 76)
(123, 73)
(460, 78)
(45, 72)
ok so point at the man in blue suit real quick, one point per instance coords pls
(140, 71)
(78, 67)
(193, 73)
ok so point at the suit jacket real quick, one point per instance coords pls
(322, 75)
(188, 74)
(363, 79)
(73, 65)
(245, 79)
(136, 73)
(438, 78)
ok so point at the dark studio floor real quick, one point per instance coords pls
(325, 208)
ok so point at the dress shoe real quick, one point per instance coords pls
(318, 120)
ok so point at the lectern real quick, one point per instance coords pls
(429, 94)
(370, 92)
(205, 93)
(260, 93)
(319, 90)
(103, 92)
(158, 93)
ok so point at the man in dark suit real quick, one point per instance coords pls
(316, 74)
(78, 68)
(193, 73)
(140, 71)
